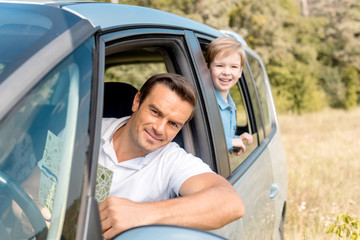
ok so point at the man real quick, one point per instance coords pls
(148, 170)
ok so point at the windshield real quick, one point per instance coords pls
(37, 142)
(25, 29)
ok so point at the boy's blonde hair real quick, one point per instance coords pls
(226, 46)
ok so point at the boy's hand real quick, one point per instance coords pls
(239, 145)
(246, 136)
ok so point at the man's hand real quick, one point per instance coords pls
(238, 143)
(120, 214)
(198, 207)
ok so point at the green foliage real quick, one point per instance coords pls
(295, 89)
(257, 21)
(346, 227)
(183, 7)
(330, 81)
(135, 74)
(351, 82)
(341, 86)
(286, 43)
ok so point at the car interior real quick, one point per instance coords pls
(149, 58)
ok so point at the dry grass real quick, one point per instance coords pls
(323, 159)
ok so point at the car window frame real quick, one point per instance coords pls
(88, 224)
(269, 97)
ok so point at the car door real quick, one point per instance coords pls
(39, 166)
(250, 173)
(275, 147)
(46, 78)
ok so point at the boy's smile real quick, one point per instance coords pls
(225, 71)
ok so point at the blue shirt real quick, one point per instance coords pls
(228, 117)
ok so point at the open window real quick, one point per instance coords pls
(134, 59)
(258, 74)
(245, 121)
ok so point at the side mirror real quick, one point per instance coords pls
(166, 232)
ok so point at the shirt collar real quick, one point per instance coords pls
(113, 127)
(107, 136)
(140, 162)
(222, 103)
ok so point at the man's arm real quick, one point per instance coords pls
(208, 202)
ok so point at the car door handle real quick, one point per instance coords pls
(274, 190)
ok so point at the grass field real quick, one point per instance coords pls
(323, 163)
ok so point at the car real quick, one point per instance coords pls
(66, 65)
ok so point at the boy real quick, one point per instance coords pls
(225, 58)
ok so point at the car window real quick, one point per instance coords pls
(253, 95)
(242, 126)
(38, 139)
(133, 73)
(259, 78)
(243, 117)
(134, 61)
(13, 33)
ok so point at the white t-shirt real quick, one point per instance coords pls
(153, 177)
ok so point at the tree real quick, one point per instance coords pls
(339, 49)
(287, 42)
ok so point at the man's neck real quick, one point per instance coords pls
(124, 149)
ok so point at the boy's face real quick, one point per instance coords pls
(225, 71)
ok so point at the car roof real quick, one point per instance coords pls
(109, 15)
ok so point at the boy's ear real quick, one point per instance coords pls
(136, 102)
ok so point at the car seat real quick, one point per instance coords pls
(118, 99)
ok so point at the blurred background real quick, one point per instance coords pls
(312, 55)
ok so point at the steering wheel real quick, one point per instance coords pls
(25, 203)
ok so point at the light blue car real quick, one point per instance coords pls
(65, 65)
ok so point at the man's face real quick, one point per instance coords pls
(225, 71)
(158, 119)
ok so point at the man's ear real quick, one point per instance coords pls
(136, 102)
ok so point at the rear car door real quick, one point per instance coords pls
(250, 173)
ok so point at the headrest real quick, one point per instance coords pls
(118, 99)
